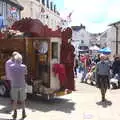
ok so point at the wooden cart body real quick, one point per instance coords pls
(39, 54)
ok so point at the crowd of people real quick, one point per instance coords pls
(99, 70)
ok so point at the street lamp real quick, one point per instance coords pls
(116, 27)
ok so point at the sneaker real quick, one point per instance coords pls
(92, 83)
(14, 115)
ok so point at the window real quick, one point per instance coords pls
(51, 5)
(54, 50)
(1, 7)
(12, 14)
(82, 41)
(43, 2)
(83, 47)
(48, 4)
(54, 8)
(82, 35)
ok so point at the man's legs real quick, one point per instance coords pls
(22, 99)
(84, 75)
(23, 109)
(103, 92)
(14, 109)
(14, 96)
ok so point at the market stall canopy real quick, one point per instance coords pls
(105, 50)
(95, 48)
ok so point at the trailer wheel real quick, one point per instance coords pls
(3, 90)
(114, 86)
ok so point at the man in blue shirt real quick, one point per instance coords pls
(102, 75)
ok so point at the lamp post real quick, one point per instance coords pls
(117, 34)
(116, 27)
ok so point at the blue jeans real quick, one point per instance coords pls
(80, 68)
(84, 74)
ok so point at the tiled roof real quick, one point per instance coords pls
(115, 23)
(77, 28)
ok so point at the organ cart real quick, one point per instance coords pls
(40, 48)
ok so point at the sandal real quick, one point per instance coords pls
(24, 114)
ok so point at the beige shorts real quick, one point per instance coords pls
(18, 94)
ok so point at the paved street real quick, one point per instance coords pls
(83, 104)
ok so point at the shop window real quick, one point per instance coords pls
(12, 14)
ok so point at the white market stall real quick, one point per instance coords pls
(94, 49)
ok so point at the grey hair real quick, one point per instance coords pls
(15, 53)
(18, 58)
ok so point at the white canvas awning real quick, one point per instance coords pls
(94, 48)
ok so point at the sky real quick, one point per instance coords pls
(96, 15)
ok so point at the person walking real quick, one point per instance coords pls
(83, 59)
(17, 73)
(75, 67)
(97, 58)
(102, 76)
(116, 66)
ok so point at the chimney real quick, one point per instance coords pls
(51, 5)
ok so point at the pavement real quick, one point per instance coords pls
(82, 104)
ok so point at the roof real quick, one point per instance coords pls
(15, 2)
(77, 28)
(115, 23)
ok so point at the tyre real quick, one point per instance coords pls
(3, 90)
(114, 86)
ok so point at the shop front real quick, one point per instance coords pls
(10, 11)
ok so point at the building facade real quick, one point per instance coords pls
(114, 37)
(10, 11)
(80, 39)
(109, 37)
(94, 39)
(44, 10)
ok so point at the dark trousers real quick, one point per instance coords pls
(103, 84)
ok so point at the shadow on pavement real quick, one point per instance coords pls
(104, 104)
(39, 104)
(5, 102)
(56, 104)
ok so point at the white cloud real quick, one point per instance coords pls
(94, 14)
